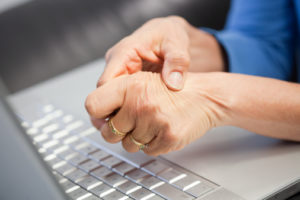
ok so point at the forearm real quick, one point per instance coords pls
(265, 106)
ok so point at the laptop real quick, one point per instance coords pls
(49, 150)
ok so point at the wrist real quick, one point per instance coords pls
(211, 88)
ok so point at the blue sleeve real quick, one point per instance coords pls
(259, 38)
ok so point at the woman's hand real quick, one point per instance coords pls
(154, 115)
(168, 45)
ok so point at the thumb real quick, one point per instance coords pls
(176, 64)
(106, 99)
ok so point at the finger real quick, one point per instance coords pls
(119, 64)
(97, 123)
(161, 144)
(157, 147)
(123, 121)
(176, 64)
(143, 133)
(127, 58)
(107, 98)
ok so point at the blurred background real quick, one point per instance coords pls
(43, 38)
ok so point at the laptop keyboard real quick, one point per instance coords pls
(88, 172)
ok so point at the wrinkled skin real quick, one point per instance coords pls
(153, 114)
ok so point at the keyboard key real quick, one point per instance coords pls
(43, 152)
(32, 131)
(199, 189)
(92, 197)
(41, 122)
(54, 162)
(169, 192)
(25, 124)
(115, 195)
(110, 162)
(187, 182)
(114, 179)
(151, 182)
(102, 190)
(54, 115)
(41, 137)
(155, 167)
(88, 132)
(65, 169)
(50, 143)
(80, 129)
(79, 194)
(57, 176)
(86, 150)
(141, 193)
(78, 159)
(76, 175)
(67, 119)
(80, 144)
(136, 175)
(156, 197)
(58, 149)
(89, 165)
(128, 187)
(123, 168)
(172, 175)
(60, 134)
(89, 182)
(50, 128)
(67, 154)
(71, 140)
(99, 155)
(101, 172)
(74, 125)
(68, 186)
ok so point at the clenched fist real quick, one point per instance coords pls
(141, 106)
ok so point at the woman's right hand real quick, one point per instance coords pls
(168, 45)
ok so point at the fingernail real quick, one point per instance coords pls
(175, 80)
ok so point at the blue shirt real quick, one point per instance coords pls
(261, 38)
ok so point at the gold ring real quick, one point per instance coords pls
(114, 130)
(140, 145)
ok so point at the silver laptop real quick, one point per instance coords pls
(52, 152)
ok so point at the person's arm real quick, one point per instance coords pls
(259, 38)
(265, 106)
(149, 113)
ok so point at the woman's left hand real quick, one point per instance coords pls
(149, 113)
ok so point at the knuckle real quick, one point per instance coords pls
(126, 145)
(107, 136)
(108, 54)
(176, 18)
(169, 137)
(100, 82)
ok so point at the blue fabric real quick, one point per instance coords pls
(261, 38)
